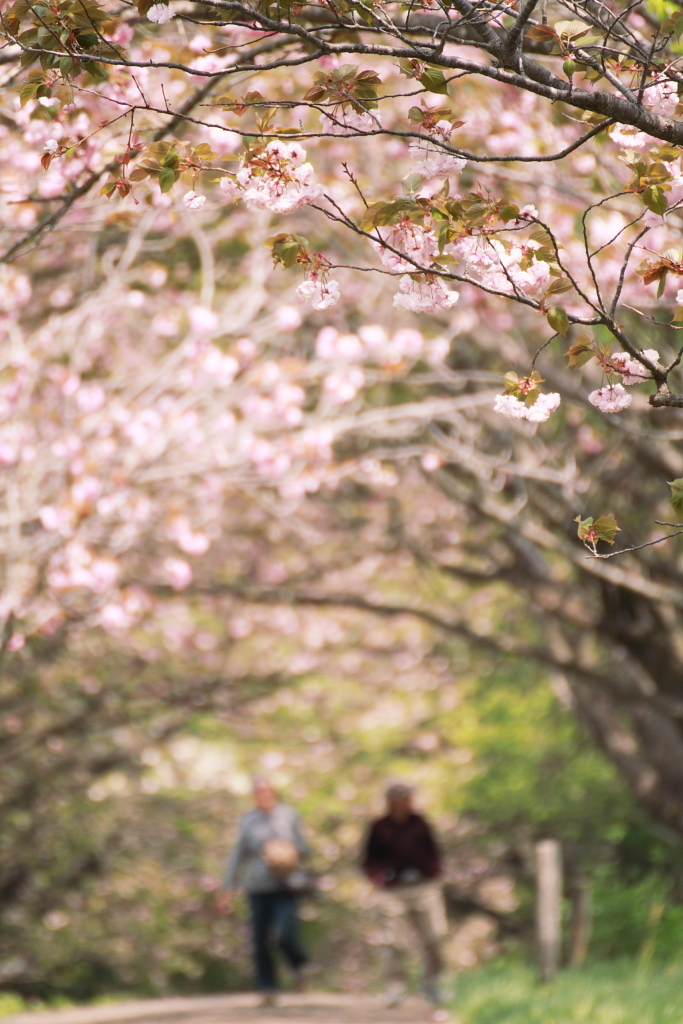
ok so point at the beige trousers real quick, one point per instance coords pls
(421, 906)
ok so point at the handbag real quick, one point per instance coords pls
(281, 856)
(283, 859)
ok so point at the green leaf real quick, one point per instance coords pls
(571, 29)
(654, 198)
(407, 67)
(561, 284)
(570, 67)
(166, 179)
(591, 530)
(585, 529)
(172, 159)
(28, 91)
(204, 152)
(581, 352)
(542, 33)
(433, 80)
(606, 528)
(286, 249)
(412, 184)
(677, 494)
(558, 319)
(508, 212)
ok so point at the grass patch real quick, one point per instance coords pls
(10, 1004)
(621, 992)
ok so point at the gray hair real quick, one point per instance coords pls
(261, 780)
(399, 791)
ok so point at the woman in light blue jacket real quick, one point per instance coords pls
(269, 849)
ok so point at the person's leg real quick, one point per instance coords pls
(262, 922)
(286, 929)
(428, 916)
(393, 947)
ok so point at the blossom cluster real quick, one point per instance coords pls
(539, 412)
(610, 398)
(505, 269)
(275, 177)
(613, 398)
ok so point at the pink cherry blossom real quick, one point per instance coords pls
(90, 399)
(320, 293)
(433, 162)
(611, 398)
(177, 572)
(508, 405)
(347, 122)
(202, 320)
(539, 412)
(160, 14)
(409, 238)
(192, 542)
(633, 371)
(330, 344)
(424, 294)
(193, 201)
(275, 178)
(630, 138)
(662, 97)
(343, 385)
(288, 318)
(431, 461)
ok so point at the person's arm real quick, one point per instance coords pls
(373, 862)
(432, 852)
(233, 864)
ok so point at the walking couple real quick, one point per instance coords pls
(400, 858)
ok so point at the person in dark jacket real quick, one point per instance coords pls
(402, 859)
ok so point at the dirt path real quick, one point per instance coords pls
(315, 1008)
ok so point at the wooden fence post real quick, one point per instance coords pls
(581, 923)
(548, 906)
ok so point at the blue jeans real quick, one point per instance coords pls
(275, 922)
